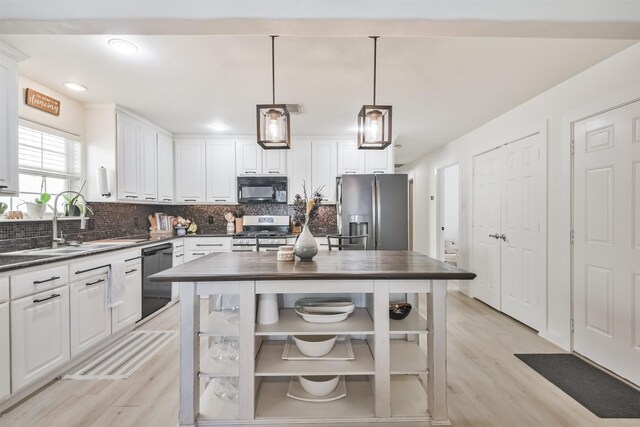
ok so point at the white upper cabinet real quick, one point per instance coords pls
(149, 154)
(248, 158)
(324, 169)
(380, 161)
(190, 167)
(165, 168)
(221, 172)
(299, 168)
(129, 157)
(8, 125)
(274, 162)
(350, 159)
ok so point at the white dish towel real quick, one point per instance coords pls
(115, 287)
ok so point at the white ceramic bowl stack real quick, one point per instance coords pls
(315, 345)
(319, 385)
(324, 310)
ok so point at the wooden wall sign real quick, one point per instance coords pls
(42, 102)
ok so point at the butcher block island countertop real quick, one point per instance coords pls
(327, 265)
(397, 372)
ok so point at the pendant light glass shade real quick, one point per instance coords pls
(273, 126)
(272, 120)
(374, 121)
(374, 127)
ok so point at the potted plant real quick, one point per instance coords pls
(38, 207)
(305, 210)
(71, 205)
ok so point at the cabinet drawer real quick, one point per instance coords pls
(208, 244)
(38, 280)
(4, 289)
(89, 268)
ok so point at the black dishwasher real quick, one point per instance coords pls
(155, 295)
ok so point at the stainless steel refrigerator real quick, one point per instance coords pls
(375, 205)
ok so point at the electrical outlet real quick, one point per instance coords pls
(135, 221)
(210, 220)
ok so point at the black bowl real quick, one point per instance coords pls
(399, 310)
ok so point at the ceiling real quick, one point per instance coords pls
(440, 87)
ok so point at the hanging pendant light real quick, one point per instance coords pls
(273, 119)
(374, 121)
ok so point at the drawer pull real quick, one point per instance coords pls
(150, 198)
(178, 256)
(91, 269)
(133, 270)
(199, 253)
(189, 200)
(131, 197)
(46, 299)
(209, 244)
(166, 200)
(4, 186)
(94, 283)
(39, 282)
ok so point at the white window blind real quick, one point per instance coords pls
(49, 155)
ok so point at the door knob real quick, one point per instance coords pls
(503, 237)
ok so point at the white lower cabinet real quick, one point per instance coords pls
(90, 317)
(130, 311)
(39, 335)
(5, 353)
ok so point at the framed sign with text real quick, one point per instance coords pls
(42, 102)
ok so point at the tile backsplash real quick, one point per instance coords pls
(111, 220)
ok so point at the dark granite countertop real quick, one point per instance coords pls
(10, 261)
(336, 265)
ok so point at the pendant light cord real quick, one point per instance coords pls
(273, 69)
(375, 63)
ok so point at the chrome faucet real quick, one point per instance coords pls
(55, 241)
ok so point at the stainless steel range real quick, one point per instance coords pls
(266, 231)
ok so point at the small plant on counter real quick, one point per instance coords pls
(72, 207)
(306, 209)
(37, 208)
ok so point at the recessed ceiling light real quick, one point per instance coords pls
(123, 46)
(75, 86)
(219, 127)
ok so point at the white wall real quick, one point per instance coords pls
(607, 84)
(71, 118)
(451, 202)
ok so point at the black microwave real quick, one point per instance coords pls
(262, 189)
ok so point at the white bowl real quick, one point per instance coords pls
(315, 345)
(319, 385)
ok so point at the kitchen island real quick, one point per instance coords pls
(398, 372)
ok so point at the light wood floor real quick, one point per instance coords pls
(488, 386)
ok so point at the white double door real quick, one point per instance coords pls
(509, 206)
(606, 219)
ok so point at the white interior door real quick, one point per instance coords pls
(522, 231)
(607, 240)
(486, 227)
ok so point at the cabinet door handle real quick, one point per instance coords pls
(219, 200)
(131, 259)
(39, 282)
(178, 256)
(248, 172)
(189, 200)
(4, 186)
(198, 253)
(131, 197)
(133, 270)
(166, 200)
(378, 171)
(349, 171)
(94, 283)
(274, 171)
(150, 198)
(46, 299)
(503, 237)
(91, 269)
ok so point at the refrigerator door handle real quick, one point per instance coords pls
(378, 216)
(374, 203)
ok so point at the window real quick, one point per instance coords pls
(47, 162)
